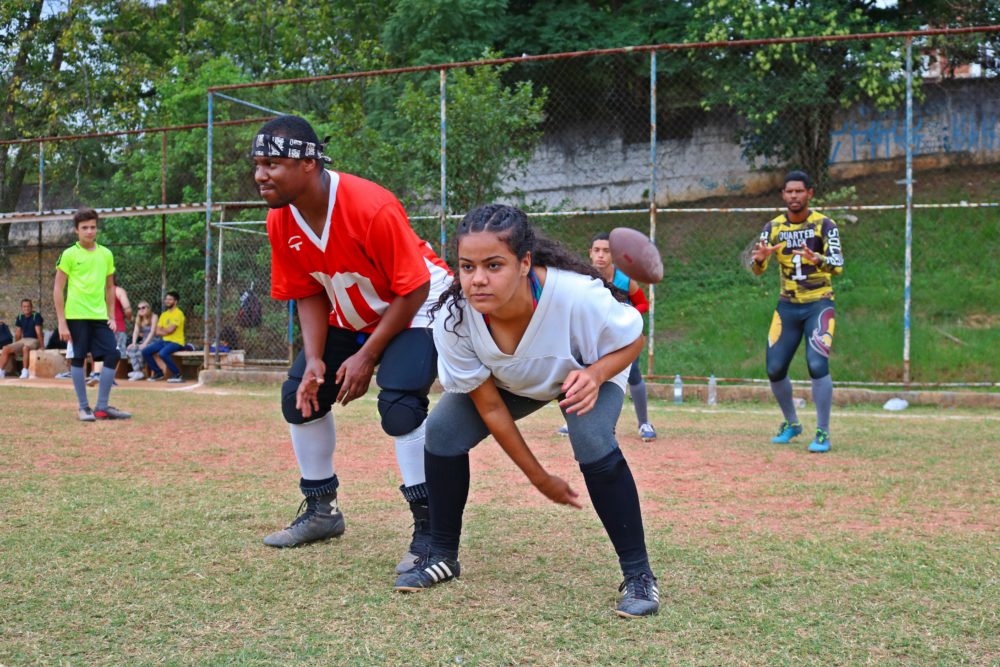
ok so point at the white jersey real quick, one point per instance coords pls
(577, 322)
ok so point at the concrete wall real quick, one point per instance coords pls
(588, 168)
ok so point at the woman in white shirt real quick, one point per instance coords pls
(525, 323)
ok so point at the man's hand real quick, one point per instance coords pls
(808, 255)
(111, 324)
(64, 332)
(762, 251)
(558, 491)
(581, 389)
(307, 397)
(354, 376)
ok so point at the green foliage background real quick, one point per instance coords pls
(100, 65)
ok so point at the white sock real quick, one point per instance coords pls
(314, 443)
(410, 456)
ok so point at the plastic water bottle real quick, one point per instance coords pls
(711, 390)
(678, 389)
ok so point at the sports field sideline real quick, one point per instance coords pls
(138, 542)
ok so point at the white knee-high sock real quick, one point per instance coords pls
(410, 456)
(314, 443)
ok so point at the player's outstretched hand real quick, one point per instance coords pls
(581, 389)
(354, 376)
(762, 251)
(307, 397)
(559, 491)
(807, 254)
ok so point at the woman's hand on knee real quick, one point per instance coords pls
(581, 389)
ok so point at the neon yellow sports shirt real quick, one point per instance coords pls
(87, 273)
(167, 318)
(801, 281)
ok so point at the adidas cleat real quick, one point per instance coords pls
(434, 571)
(641, 596)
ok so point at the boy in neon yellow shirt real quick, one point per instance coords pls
(84, 272)
(170, 328)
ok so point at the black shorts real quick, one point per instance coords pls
(408, 366)
(94, 337)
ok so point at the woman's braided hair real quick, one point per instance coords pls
(511, 225)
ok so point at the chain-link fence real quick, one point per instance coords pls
(685, 142)
(145, 269)
(148, 186)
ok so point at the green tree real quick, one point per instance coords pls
(66, 68)
(611, 90)
(492, 130)
(786, 95)
(424, 32)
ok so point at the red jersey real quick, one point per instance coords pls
(367, 255)
(119, 315)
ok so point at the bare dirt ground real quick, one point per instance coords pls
(706, 472)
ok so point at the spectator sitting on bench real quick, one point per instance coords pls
(27, 337)
(171, 328)
(143, 335)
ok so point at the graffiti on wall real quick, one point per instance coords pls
(877, 136)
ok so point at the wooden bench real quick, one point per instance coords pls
(190, 361)
(48, 363)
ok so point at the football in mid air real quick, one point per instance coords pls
(636, 255)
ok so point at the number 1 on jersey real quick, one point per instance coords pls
(797, 261)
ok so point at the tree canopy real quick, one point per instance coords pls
(80, 66)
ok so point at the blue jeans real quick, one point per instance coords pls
(165, 348)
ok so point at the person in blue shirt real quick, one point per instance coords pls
(27, 337)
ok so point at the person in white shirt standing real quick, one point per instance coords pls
(526, 322)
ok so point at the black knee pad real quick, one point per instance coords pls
(77, 362)
(402, 412)
(291, 413)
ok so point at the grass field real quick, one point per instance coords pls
(139, 543)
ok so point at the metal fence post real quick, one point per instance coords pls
(41, 199)
(218, 294)
(163, 218)
(208, 233)
(444, 163)
(651, 355)
(907, 273)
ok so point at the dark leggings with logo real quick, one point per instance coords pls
(790, 322)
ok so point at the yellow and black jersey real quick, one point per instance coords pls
(802, 281)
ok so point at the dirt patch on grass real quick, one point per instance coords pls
(694, 481)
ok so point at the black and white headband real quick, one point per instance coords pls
(268, 145)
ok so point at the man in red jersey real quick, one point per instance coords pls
(343, 248)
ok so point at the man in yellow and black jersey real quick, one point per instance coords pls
(806, 274)
(807, 247)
